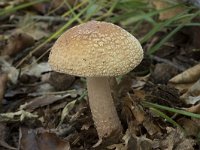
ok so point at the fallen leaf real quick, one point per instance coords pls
(194, 90)
(192, 95)
(28, 25)
(66, 110)
(28, 79)
(37, 69)
(60, 6)
(42, 101)
(42, 89)
(194, 109)
(3, 143)
(16, 43)
(190, 75)
(186, 144)
(60, 81)
(164, 95)
(131, 142)
(8, 68)
(120, 146)
(163, 72)
(151, 127)
(175, 139)
(167, 14)
(135, 109)
(3, 85)
(31, 139)
(41, 7)
(16, 116)
(191, 128)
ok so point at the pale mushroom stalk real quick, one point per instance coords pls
(102, 107)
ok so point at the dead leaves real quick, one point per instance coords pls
(3, 85)
(137, 117)
(188, 82)
(42, 101)
(34, 92)
(194, 109)
(34, 139)
(3, 131)
(132, 142)
(174, 140)
(189, 76)
(167, 14)
(163, 72)
(16, 43)
(131, 110)
(18, 116)
(190, 127)
(60, 81)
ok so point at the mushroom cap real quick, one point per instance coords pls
(95, 49)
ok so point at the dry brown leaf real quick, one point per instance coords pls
(3, 85)
(131, 142)
(190, 75)
(186, 144)
(137, 143)
(31, 139)
(163, 72)
(55, 4)
(191, 127)
(120, 146)
(140, 94)
(192, 95)
(42, 101)
(2, 137)
(194, 90)
(167, 14)
(16, 43)
(137, 111)
(182, 87)
(194, 109)
(36, 30)
(66, 110)
(7, 67)
(60, 81)
(175, 139)
(151, 127)
(131, 110)
(17, 116)
(37, 69)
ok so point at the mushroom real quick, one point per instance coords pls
(97, 50)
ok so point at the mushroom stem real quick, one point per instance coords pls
(102, 107)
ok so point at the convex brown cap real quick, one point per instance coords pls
(95, 49)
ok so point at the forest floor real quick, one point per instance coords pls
(158, 102)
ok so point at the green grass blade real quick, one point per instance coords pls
(178, 111)
(165, 39)
(167, 118)
(72, 11)
(75, 8)
(19, 7)
(179, 27)
(54, 35)
(160, 26)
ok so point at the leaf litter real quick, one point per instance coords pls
(42, 109)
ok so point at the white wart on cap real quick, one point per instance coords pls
(95, 49)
